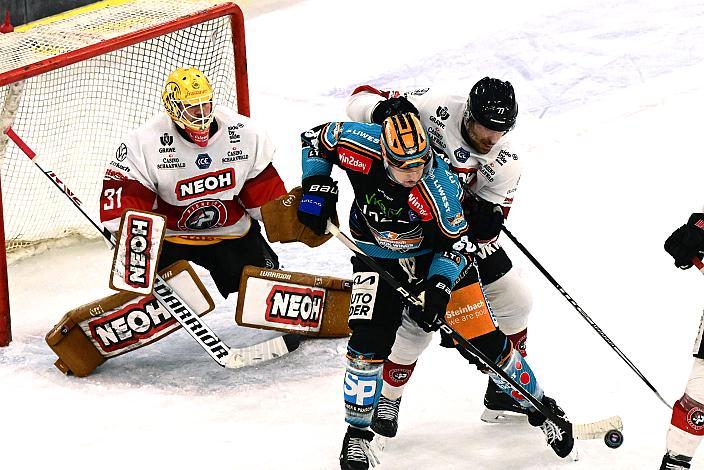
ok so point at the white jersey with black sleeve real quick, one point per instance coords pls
(493, 176)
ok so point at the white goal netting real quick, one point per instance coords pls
(75, 117)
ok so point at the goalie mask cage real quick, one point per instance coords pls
(72, 86)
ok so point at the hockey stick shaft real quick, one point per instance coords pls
(442, 323)
(698, 264)
(584, 315)
(170, 300)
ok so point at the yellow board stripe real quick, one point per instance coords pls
(72, 13)
(78, 11)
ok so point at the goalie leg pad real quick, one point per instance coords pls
(77, 354)
(291, 302)
(361, 388)
(88, 335)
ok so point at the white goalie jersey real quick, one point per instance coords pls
(206, 193)
(493, 176)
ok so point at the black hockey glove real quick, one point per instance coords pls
(318, 202)
(687, 241)
(437, 295)
(392, 107)
(485, 218)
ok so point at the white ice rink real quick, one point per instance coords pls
(610, 98)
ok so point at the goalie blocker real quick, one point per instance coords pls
(137, 251)
(293, 302)
(91, 334)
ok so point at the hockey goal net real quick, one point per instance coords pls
(73, 85)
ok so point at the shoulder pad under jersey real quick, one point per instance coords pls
(365, 136)
(442, 192)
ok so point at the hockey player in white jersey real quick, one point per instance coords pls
(687, 423)
(472, 135)
(208, 170)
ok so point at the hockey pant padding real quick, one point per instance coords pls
(510, 301)
(374, 330)
(361, 389)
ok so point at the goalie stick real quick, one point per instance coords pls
(225, 356)
(594, 430)
(584, 315)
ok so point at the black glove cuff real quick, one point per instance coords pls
(441, 284)
(322, 185)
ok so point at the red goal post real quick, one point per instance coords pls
(74, 84)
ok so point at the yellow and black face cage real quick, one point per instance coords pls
(186, 90)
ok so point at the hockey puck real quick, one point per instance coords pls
(613, 439)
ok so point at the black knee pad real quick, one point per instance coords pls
(370, 341)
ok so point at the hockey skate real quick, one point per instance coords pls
(385, 419)
(675, 462)
(501, 408)
(561, 442)
(356, 453)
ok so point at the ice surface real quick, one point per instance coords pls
(610, 96)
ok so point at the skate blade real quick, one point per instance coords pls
(376, 450)
(503, 417)
(574, 456)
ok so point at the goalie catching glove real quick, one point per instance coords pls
(687, 242)
(282, 225)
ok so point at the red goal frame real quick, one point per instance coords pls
(62, 60)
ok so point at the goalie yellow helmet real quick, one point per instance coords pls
(188, 99)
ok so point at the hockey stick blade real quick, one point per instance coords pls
(597, 429)
(261, 352)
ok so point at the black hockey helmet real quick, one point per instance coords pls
(492, 103)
